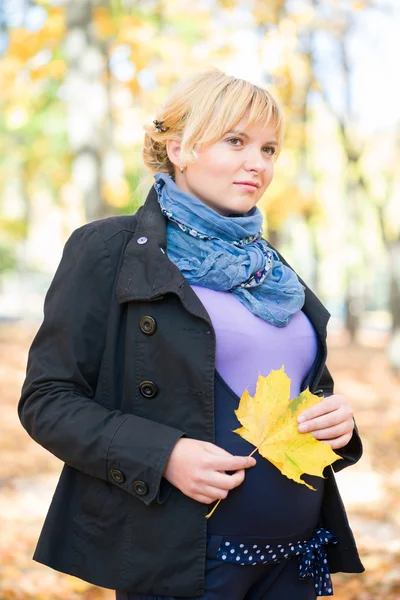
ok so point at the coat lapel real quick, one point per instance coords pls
(147, 273)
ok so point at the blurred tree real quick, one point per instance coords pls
(339, 22)
(288, 46)
(384, 189)
(88, 105)
(278, 34)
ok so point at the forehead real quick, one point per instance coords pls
(257, 129)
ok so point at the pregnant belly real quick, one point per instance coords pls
(267, 503)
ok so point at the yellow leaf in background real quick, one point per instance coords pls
(269, 421)
(55, 68)
(77, 585)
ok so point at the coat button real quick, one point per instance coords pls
(117, 475)
(141, 488)
(148, 389)
(148, 325)
(142, 240)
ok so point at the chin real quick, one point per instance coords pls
(241, 207)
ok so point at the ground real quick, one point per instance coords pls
(370, 489)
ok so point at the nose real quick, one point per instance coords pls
(255, 161)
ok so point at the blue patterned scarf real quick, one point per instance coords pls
(228, 254)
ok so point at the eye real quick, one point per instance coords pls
(235, 139)
(270, 150)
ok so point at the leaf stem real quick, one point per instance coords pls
(208, 515)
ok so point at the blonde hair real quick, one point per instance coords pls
(200, 109)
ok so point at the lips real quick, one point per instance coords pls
(247, 186)
(248, 183)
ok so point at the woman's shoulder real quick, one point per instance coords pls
(102, 240)
(109, 227)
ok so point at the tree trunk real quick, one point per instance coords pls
(394, 265)
(394, 302)
(305, 165)
(354, 181)
(87, 105)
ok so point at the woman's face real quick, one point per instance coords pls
(231, 174)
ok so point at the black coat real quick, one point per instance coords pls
(122, 367)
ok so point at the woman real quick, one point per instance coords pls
(153, 327)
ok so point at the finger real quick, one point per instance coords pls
(227, 482)
(331, 433)
(218, 451)
(237, 478)
(203, 499)
(232, 463)
(328, 420)
(215, 493)
(326, 405)
(339, 442)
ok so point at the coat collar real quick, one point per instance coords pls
(147, 273)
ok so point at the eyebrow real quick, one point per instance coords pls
(272, 142)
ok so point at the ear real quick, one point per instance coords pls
(174, 151)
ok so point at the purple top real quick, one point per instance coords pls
(248, 346)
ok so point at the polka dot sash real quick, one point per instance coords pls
(312, 559)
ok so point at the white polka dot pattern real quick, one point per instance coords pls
(313, 563)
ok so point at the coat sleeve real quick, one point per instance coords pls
(352, 451)
(57, 406)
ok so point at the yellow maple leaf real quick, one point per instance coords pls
(269, 421)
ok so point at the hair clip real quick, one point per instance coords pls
(159, 126)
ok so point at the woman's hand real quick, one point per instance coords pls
(198, 469)
(330, 421)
